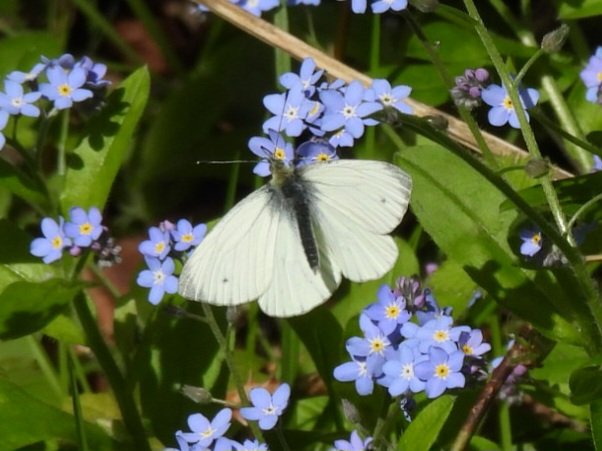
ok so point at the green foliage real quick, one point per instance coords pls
(141, 155)
(93, 165)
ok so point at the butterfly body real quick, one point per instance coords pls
(289, 243)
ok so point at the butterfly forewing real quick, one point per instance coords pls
(374, 194)
(355, 204)
(235, 262)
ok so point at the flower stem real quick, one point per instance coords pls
(61, 163)
(282, 439)
(125, 400)
(382, 424)
(224, 345)
(584, 207)
(526, 129)
(449, 83)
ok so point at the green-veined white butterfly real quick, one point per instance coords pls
(289, 243)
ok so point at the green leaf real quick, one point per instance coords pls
(27, 421)
(452, 287)
(20, 185)
(596, 423)
(93, 165)
(26, 307)
(586, 385)
(461, 212)
(579, 9)
(16, 263)
(423, 431)
(23, 51)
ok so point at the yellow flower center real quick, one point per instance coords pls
(85, 228)
(187, 237)
(322, 157)
(377, 345)
(442, 371)
(441, 336)
(535, 239)
(208, 432)
(159, 247)
(279, 153)
(599, 76)
(64, 89)
(314, 109)
(507, 103)
(57, 242)
(467, 349)
(392, 311)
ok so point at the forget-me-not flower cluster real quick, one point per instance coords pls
(83, 230)
(257, 7)
(209, 434)
(167, 242)
(59, 82)
(410, 345)
(336, 113)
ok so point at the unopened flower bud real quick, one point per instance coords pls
(199, 395)
(537, 167)
(351, 412)
(553, 41)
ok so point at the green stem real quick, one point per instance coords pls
(505, 426)
(584, 207)
(282, 439)
(448, 82)
(224, 345)
(523, 71)
(553, 128)
(590, 323)
(77, 408)
(527, 131)
(104, 280)
(383, 424)
(282, 59)
(124, 397)
(48, 371)
(62, 143)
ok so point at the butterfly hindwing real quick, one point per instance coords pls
(295, 287)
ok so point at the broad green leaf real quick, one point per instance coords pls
(16, 263)
(461, 212)
(572, 194)
(23, 51)
(586, 385)
(452, 287)
(26, 307)
(174, 351)
(423, 431)
(20, 185)
(66, 330)
(27, 421)
(93, 165)
(322, 335)
(558, 365)
(308, 411)
(579, 9)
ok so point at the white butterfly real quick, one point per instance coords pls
(288, 243)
